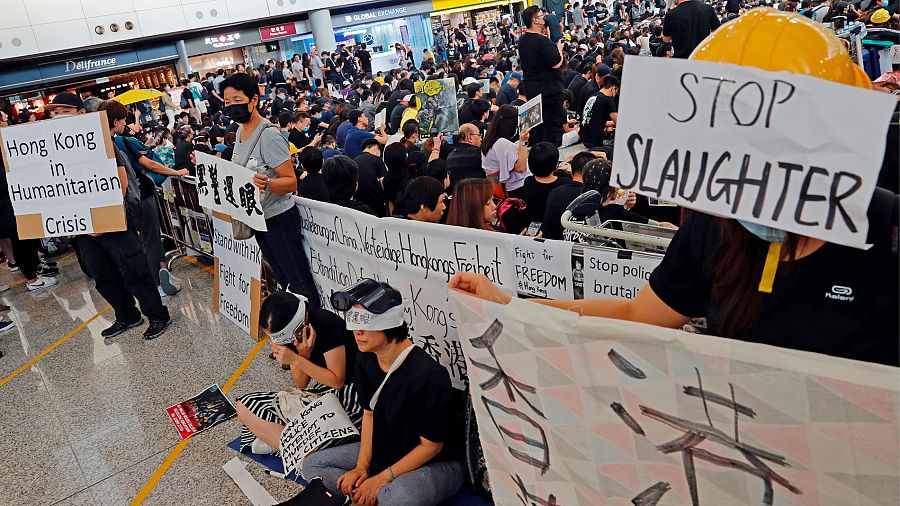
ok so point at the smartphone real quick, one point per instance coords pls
(533, 229)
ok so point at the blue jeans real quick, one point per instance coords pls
(282, 246)
(430, 484)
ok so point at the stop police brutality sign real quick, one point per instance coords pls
(63, 177)
(784, 150)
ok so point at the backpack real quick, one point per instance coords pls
(511, 215)
(185, 93)
(157, 179)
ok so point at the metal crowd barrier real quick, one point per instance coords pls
(182, 220)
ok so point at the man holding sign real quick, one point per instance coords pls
(786, 282)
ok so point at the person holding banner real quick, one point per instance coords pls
(260, 147)
(321, 353)
(411, 440)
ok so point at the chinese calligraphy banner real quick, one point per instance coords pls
(238, 267)
(63, 177)
(228, 188)
(585, 411)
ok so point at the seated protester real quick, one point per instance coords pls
(371, 174)
(571, 130)
(410, 132)
(286, 123)
(342, 179)
(359, 132)
(504, 154)
(559, 198)
(542, 161)
(300, 135)
(437, 169)
(328, 145)
(411, 113)
(509, 91)
(422, 199)
(230, 139)
(600, 113)
(321, 353)
(473, 92)
(596, 176)
(396, 117)
(396, 161)
(473, 205)
(411, 447)
(311, 183)
(465, 159)
(342, 130)
(481, 110)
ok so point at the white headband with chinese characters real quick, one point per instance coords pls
(358, 318)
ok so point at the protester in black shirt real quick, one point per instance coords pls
(541, 65)
(301, 134)
(371, 173)
(465, 159)
(559, 198)
(312, 185)
(341, 178)
(687, 24)
(542, 160)
(600, 112)
(410, 446)
(365, 59)
(578, 83)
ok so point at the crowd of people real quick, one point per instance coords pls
(311, 125)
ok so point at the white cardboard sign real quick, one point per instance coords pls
(238, 268)
(228, 188)
(323, 420)
(614, 274)
(784, 150)
(543, 267)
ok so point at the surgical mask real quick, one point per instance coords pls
(240, 113)
(306, 129)
(766, 233)
(62, 115)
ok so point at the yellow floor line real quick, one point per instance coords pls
(199, 264)
(52, 347)
(170, 459)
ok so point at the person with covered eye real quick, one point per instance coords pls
(321, 354)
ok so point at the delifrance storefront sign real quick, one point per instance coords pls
(88, 65)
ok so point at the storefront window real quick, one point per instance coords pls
(214, 61)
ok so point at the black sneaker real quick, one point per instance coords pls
(47, 263)
(157, 328)
(7, 325)
(119, 327)
(47, 271)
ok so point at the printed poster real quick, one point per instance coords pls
(438, 113)
(584, 411)
(531, 114)
(206, 409)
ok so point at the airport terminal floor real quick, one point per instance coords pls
(86, 422)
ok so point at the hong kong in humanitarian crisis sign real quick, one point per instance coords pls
(63, 177)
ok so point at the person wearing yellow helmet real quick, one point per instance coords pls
(879, 17)
(712, 267)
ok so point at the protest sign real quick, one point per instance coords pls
(418, 259)
(63, 177)
(321, 421)
(380, 119)
(237, 283)
(438, 113)
(226, 187)
(543, 267)
(531, 114)
(201, 412)
(749, 144)
(613, 274)
(586, 411)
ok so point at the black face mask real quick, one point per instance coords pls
(240, 113)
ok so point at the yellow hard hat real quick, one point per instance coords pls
(781, 41)
(880, 16)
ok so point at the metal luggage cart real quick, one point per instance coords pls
(183, 221)
(580, 218)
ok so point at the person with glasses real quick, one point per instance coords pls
(465, 160)
(321, 354)
(411, 443)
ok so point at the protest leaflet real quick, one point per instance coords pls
(749, 144)
(323, 420)
(531, 114)
(227, 188)
(438, 114)
(63, 177)
(237, 283)
(585, 411)
(201, 412)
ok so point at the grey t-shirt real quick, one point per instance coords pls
(271, 151)
(315, 65)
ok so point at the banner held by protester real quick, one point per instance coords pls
(238, 266)
(226, 187)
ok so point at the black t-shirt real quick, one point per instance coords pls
(589, 89)
(589, 10)
(688, 24)
(313, 187)
(575, 86)
(464, 162)
(538, 56)
(299, 138)
(838, 301)
(595, 119)
(416, 401)
(370, 191)
(331, 332)
(557, 202)
(365, 59)
(536, 194)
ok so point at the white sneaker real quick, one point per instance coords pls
(40, 283)
(260, 447)
(4, 288)
(7, 326)
(167, 283)
(162, 293)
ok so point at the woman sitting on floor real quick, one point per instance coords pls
(411, 441)
(320, 351)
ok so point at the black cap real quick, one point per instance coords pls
(66, 99)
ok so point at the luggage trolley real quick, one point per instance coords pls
(580, 218)
(183, 221)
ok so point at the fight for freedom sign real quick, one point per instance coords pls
(226, 187)
(586, 411)
(63, 177)
(789, 151)
(238, 267)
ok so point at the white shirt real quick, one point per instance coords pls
(502, 158)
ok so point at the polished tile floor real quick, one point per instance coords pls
(86, 423)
